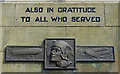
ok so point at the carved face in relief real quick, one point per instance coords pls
(55, 53)
(59, 53)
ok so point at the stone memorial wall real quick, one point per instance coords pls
(33, 25)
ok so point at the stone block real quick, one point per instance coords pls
(94, 36)
(0, 14)
(0, 39)
(30, 36)
(8, 14)
(111, 14)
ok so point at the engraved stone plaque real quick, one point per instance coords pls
(60, 54)
(59, 36)
(24, 53)
(74, 14)
(95, 53)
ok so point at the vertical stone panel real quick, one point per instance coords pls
(119, 37)
(119, 62)
(0, 26)
(111, 14)
(8, 13)
(1, 49)
(1, 62)
(0, 37)
(0, 13)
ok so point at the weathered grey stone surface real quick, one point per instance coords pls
(55, 51)
(15, 33)
(8, 14)
(118, 62)
(95, 53)
(111, 14)
(0, 14)
(1, 62)
(0, 25)
(97, 36)
(24, 53)
(0, 37)
(30, 36)
(84, 36)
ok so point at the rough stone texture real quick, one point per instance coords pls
(111, 14)
(0, 37)
(1, 50)
(84, 36)
(98, 66)
(0, 14)
(1, 62)
(8, 14)
(80, 67)
(20, 66)
(95, 36)
(118, 62)
(102, 36)
(0, 25)
(30, 35)
(119, 39)
(119, 13)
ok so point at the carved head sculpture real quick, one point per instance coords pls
(59, 53)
